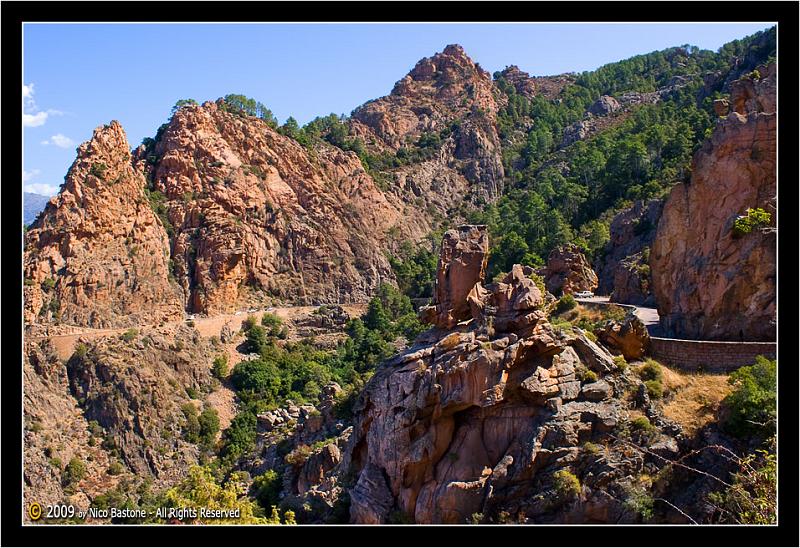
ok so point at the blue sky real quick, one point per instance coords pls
(77, 77)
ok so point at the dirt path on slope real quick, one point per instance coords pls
(207, 326)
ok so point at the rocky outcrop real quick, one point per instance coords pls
(568, 271)
(604, 105)
(462, 264)
(257, 216)
(134, 385)
(709, 281)
(56, 432)
(629, 337)
(97, 255)
(623, 269)
(521, 80)
(449, 100)
(473, 422)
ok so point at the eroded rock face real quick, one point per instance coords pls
(708, 282)
(114, 402)
(462, 264)
(474, 420)
(98, 256)
(135, 388)
(629, 337)
(521, 80)
(604, 105)
(624, 272)
(568, 271)
(450, 96)
(255, 216)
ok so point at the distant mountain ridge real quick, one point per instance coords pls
(32, 205)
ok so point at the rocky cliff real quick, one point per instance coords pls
(257, 215)
(449, 99)
(115, 406)
(568, 271)
(710, 280)
(486, 418)
(98, 255)
(623, 271)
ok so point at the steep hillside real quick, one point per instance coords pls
(98, 255)
(714, 255)
(253, 214)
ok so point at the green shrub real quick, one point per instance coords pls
(48, 284)
(220, 367)
(651, 371)
(129, 335)
(74, 472)
(621, 363)
(566, 484)
(209, 426)
(752, 496)
(592, 448)
(240, 436)
(751, 406)
(654, 389)
(256, 338)
(191, 424)
(81, 350)
(98, 169)
(192, 392)
(642, 424)
(298, 456)
(115, 468)
(639, 501)
(567, 302)
(752, 218)
(587, 375)
(272, 323)
(267, 488)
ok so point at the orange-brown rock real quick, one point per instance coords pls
(623, 271)
(449, 96)
(257, 215)
(568, 271)
(98, 256)
(462, 265)
(476, 419)
(629, 337)
(710, 283)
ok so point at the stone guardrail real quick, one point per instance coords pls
(709, 356)
(706, 356)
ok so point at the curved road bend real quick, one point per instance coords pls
(649, 316)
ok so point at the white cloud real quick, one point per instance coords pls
(34, 120)
(60, 140)
(41, 188)
(32, 116)
(28, 175)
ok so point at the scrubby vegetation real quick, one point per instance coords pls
(297, 371)
(753, 218)
(752, 405)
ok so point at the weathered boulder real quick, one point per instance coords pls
(709, 281)
(604, 105)
(568, 271)
(721, 107)
(594, 356)
(630, 337)
(462, 264)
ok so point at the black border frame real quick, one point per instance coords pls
(786, 13)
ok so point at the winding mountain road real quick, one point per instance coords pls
(649, 316)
